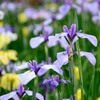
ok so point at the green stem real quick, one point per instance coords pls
(46, 52)
(93, 82)
(71, 69)
(80, 70)
(35, 88)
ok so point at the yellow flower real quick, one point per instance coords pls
(51, 6)
(25, 31)
(1, 23)
(10, 81)
(22, 17)
(78, 94)
(98, 98)
(4, 40)
(5, 56)
(76, 72)
(12, 55)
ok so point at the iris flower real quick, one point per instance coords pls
(68, 4)
(36, 41)
(54, 82)
(72, 36)
(35, 69)
(17, 95)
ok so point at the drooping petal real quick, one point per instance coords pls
(62, 58)
(91, 38)
(9, 95)
(52, 41)
(57, 63)
(89, 56)
(23, 66)
(39, 96)
(28, 92)
(26, 77)
(45, 68)
(35, 42)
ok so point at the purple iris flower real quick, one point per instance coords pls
(42, 27)
(53, 82)
(10, 28)
(57, 16)
(50, 40)
(11, 6)
(17, 95)
(29, 12)
(96, 18)
(92, 7)
(65, 8)
(72, 36)
(35, 69)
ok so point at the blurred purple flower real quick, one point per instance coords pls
(92, 7)
(52, 82)
(11, 6)
(96, 18)
(29, 12)
(2, 30)
(56, 1)
(42, 27)
(17, 95)
(65, 8)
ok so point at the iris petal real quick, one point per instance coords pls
(91, 38)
